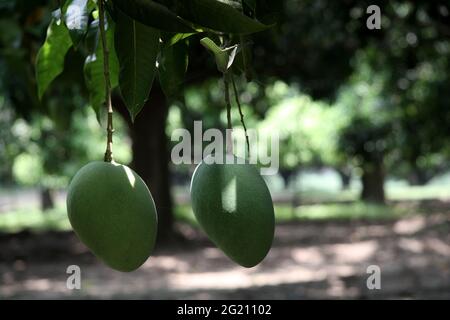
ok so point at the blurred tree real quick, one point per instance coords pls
(10, 147)
(307, 138)
(29, 20)
(313, 44)
(53, 146)
(414, 59)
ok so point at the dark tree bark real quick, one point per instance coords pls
(286, 174)
(151, 155)
(345, 176)
(421, 176)
(47, 201)
(373, 182)
(418, 178)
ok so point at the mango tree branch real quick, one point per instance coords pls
(109, 127)
(238, 102)
(229, 136)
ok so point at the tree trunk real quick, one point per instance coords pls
(373, 182)
(346, 178)
(286, 175)
(47, 201)
(419, 177)
(151, 155)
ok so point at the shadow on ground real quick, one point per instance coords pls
(308, 260)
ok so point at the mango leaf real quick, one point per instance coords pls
(76, 18)
(236, 4)
(50, 58)
(91, 41)
(242, 62)
(224, 57)
(218, 16)
(94, 72)
(61, 4)
(153, 15)
(137, 47)
(172, 67)
(251, 4)
(170, 38)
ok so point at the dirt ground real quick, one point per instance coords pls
(309, 260)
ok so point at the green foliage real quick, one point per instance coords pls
(169, 38)
(320, 212)
(94, 71)
(224, 56)
(50, 59)
(217, 15)
(137, 47)
(308, 129)
(137, 43)
(354, 211)
(367, 132)
(10, 144)
(391, 85)
(35, 220)
(48, 156)
(173, 63)
(40, 162)
(56, 219)
(28, 169)
(153, 14)
(76, 18)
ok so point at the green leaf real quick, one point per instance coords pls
(91, 41)
(251, 4)
(137, 47)
(169, 38)
(153, 15)
(224, 57)
(172, 67)
(218, 16)
(50, 58)
(61, 4)
(242, 62)
(94, 71)
(236, 4)
(76, 18)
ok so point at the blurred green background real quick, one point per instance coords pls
(363, 117)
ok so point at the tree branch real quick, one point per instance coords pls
(109, 128)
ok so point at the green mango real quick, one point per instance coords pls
(233, 206)
(113, 213)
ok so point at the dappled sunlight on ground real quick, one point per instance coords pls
(410, 226)
(308, 260)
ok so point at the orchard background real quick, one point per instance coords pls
(363, 117)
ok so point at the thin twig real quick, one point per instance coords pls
(236, 95)
(247, 71)
(109, 128)
(228, 103)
